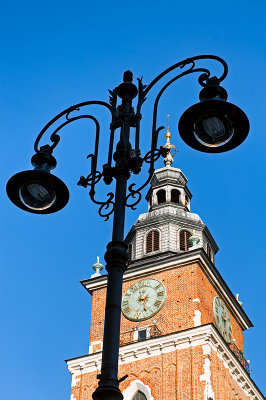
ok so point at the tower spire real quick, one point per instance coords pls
(168, 159)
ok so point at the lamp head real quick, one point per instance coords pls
(38, 191)
(213, 125)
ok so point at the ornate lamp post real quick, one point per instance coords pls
(212, 125)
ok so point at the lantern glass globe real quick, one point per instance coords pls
(37, 196)
(213, 131)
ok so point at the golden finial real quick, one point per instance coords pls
(168, 160)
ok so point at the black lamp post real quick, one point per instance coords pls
(212, 126)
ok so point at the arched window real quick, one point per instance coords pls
(129, 249)
(137, 388)
(209, 253)
(152, 241)
(139, 396)
(184, 242)
(175, 194)
(161, 196)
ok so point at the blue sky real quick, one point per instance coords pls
(55, 54)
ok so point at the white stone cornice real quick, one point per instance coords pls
(198, 336)
(168, 211)
(145, 268)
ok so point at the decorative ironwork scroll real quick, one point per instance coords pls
(133, 159)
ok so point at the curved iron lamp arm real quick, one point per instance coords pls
(66, 112)
(106, 207)
(144, 89)
(155, 109)
(183, 63)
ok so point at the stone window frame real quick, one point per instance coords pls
(171, 196)
(146, 328)
(134, 387)
(145, 241)
(178, 238)
(160, 191)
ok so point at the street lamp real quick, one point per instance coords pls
(213, 125)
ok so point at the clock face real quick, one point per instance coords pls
(222, 319)
(143, 300)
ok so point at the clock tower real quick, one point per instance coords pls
(181, 326)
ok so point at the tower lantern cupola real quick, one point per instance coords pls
(168, 184)
(168, 187)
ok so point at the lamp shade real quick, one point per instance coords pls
(213, 126)
(37, 191)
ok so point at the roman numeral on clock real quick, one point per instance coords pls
(158, 303)
(143, 283)
(157, 287)
(160, 293)
(127, 310)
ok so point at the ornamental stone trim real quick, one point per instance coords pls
(197, 318)
(93, 344)
(205, 335)
(132, 389)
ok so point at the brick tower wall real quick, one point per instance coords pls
(188, 291)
